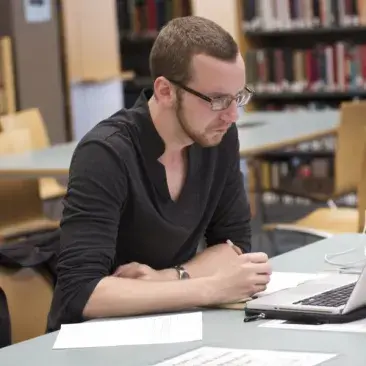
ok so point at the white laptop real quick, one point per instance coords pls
(334, 298)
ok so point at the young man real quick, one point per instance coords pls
(149, 182)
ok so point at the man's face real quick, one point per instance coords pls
(212, 78)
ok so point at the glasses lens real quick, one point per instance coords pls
(243, 98)
(219, 104)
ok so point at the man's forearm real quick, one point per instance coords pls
(115, 296)
(207, 262)
(203, 264)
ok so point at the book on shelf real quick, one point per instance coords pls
(147, 17)
(339, 67)
(301, 172)
(302, 14)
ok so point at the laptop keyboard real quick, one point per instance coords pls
(332, 298)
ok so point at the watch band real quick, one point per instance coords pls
(182, 273)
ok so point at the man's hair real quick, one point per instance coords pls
(182, 38)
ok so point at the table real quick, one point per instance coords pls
(283, 130)
(278, 130)
(221, 328)
(52, 161)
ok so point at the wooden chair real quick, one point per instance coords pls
(346, 174)
(325, 222)
(21, 209)
(31, 119)
(29, 295)
(349, 152)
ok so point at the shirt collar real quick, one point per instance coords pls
(152, 145)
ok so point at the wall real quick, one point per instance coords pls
(37, 64)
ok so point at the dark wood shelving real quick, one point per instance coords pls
(142, 82)
(139, 37)
(303, 31)
(308, 95)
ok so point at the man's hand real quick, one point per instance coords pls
(140, 271)
(243, 277)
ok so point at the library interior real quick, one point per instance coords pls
(66, 67)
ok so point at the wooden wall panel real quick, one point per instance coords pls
(91, 40)
(225, 13)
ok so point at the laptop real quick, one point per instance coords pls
(335, 298)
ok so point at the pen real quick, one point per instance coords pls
(237, 250)
(254, 317)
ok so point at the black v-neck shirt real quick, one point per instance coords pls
(118, 208)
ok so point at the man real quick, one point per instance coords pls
(148, 183)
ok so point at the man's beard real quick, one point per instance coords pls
(201, 139)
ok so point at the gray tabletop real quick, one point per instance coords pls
(221, 328)
(52, 161)
(258, 132)
(271, 130)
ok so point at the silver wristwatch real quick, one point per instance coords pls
(182, 273)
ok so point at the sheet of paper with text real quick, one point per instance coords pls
(212, 356)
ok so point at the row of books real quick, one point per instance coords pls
(299, 174)
(299, 14)
(337, 67)
(146, 17)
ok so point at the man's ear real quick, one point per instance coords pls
(164, 92)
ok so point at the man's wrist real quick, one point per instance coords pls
(175, 273)
(169, 274)
(182, 273)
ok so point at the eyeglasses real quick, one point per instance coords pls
(222, 102)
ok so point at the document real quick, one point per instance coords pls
(283, 280)
(358, 326)
(212, 356)
(175, 328)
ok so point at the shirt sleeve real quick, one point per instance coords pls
(232, 217)
(89, 227)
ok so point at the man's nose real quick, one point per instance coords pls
(231, 113)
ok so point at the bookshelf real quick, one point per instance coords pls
(302, 52)
(7, 86)
(139, 22)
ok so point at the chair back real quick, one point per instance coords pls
(29, 295)
(19, 198)
(361, 190)
(349, 146)
(30, 119)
